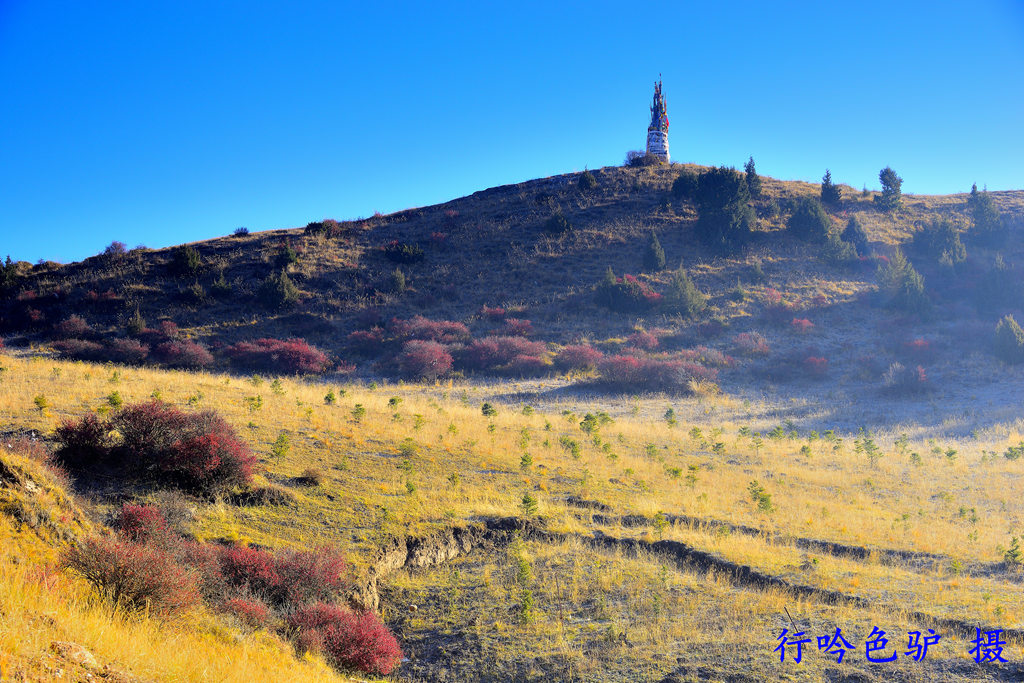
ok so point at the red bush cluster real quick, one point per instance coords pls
(577, 357)
(347, 639)
(134, 575)
(195, 451)
(801, 325)
(424, 359)
(116, 350)
(497, 353)
(71, 327)
(917, 350)
(517, 327)
(250, 612)
(492, 312)
(643, 340)
(141, 523)
(366, 342)
(815, 366)
(418, 327)
(654, 374)
(183, 354)
(751, 344)
(292, 356)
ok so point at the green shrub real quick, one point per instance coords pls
(685, 185)
(587, 181)
(185, 261)
(682, 296)
(277, 292)
(558, 224)
(1009, 340)
(636, 158)
(904, 285)
(810, 222)
(939, 239)
(397, 281)
(854, 234)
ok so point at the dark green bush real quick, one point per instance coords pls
(403, 252)
(903, 284)
(636, 158)
(185, 261)
(987, 226)
(587, 182)
(277, 292)
(685, 185)
(558, 224)
(683, 296)
(939, 239)
(725, 216)
(855, 234)
(810, 222)
(1009, 340)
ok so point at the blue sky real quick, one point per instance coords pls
(158, 123)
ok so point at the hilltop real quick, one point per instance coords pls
(778, 318)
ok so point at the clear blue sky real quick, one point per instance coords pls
(164, 122)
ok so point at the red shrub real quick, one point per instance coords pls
(651, 373)
(577, 357)
(517, 328)
(751, 344)
(127, 351)
(290, 579)
(903, 380)
(82, 443)
(80, 349)
(492, 353)
(71, 327)
(142, 523)
(183, 354)
(527, 366)
(133, 575)
(293, 356)
(424, 359)
(643, 340)
(359, 641)
(366, 342)
(252, 613)
(438, 238)
(493, 312)
(418, 327)
(801, 325)
(197, 451)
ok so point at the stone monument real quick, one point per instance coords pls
(657, 132)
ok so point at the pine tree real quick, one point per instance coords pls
(891, 198)
(654, 255)
(753, 180)
(725, 216)
(830, 194)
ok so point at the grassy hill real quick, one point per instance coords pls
(531, 519)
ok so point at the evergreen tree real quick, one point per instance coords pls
(891, 198)
(904, 285)
(278, 291)
(725, 216)
(654, 255)
(753, 180)
(854, 234)
(683, 296)
(939, 240)
(830, 193)
(987, 225)
(685, 185)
